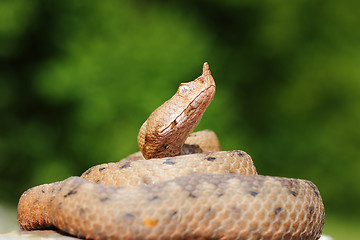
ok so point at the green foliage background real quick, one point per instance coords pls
(78, 78)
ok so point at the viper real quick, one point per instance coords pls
(180, 186)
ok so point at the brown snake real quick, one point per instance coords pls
(209, 195)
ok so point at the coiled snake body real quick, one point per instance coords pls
(206, 194)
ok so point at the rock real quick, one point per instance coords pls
(33, 235)
(324, 237)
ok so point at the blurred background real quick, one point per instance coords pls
(77, 80)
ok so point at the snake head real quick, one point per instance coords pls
(166, 129)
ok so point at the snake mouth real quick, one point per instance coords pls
(189, 117)
(204, 97)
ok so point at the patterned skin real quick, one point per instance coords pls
(202, 195)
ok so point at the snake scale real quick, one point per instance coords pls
(183, 187)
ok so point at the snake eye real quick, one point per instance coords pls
(183, 89)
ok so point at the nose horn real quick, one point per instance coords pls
(206, 69)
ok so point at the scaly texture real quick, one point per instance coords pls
(203, 206)
(175, 197)
(125, 173)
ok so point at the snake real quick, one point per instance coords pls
(179, 186)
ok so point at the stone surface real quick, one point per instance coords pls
(49, 235)
(45, 234)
